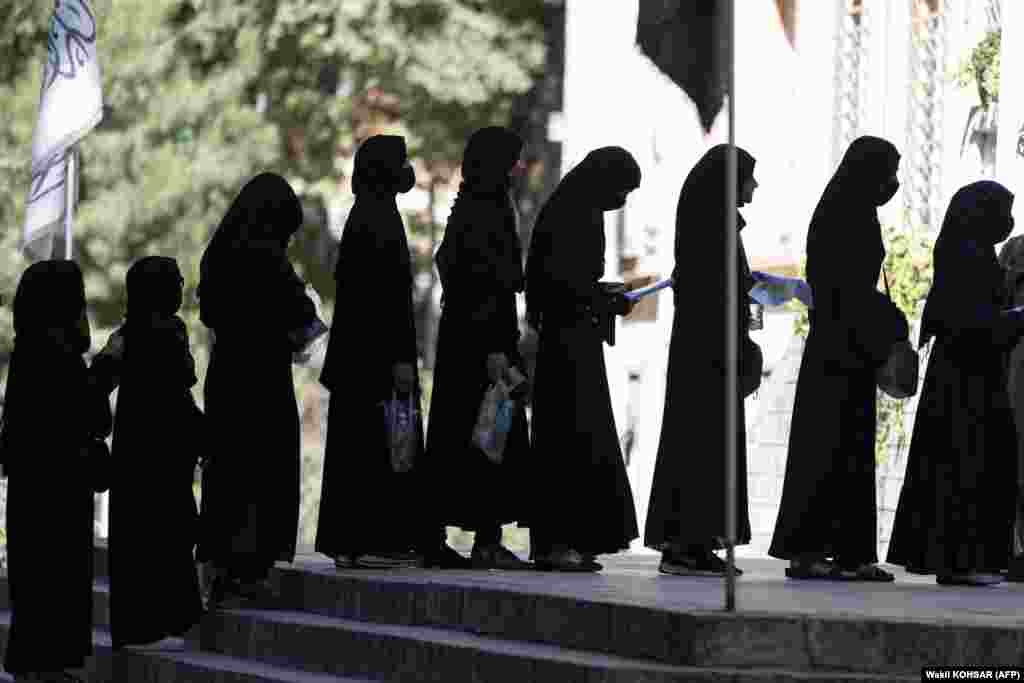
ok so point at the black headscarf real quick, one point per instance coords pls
(381, 167)
(860, 180)
(700, 213)
(49, 304)
(967, 273)
(844, 230)
(491, 153)
(266, 209)
(154, 286)
(579, 203)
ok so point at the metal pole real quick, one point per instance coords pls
(69, 204)
(731, 323)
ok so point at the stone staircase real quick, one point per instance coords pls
(421, 626)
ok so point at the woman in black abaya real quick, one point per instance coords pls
(686, 518)
(480, 262)
(827, 523)
(256, 306)
(581, 504)
(367, 367)
(53, 410)
(957, 507)
(153, 516)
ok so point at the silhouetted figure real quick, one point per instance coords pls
(1011, 258)
(370, 362)
(686, 516)
(154, 523)
(580, 501)
(828, 507)
(54, 414)
(956, 511)
(481, 267)
(253, 301)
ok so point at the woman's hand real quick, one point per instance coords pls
(404, 376)
(497, 366)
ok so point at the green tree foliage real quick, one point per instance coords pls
(981, 68)
(908, 265)
(202, 94)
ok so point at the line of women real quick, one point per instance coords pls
(563, 477)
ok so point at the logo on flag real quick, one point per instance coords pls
(70, 105)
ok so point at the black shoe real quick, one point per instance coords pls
(496, 556)
(1016, 571)
(224, 594)
(445, 557)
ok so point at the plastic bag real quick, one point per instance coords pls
(402, 422)
(494, 422)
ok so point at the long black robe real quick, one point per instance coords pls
(153, 516)
(957, 505)
(52, 408)
(374, 328)
(579, 491)
(828, 499)
(251, 297)
(688, 489)
(481, 265)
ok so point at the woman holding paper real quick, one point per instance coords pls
(827, 524)
(53, 413)
(957, 508)
(581, 503)
(481, 268)
(685, 518)
(258, 309)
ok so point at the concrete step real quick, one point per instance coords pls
(422, 653)
(174, 660)
(498, 606)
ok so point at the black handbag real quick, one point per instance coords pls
(751, 369)
(898, 375)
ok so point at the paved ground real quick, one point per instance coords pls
(763, 588)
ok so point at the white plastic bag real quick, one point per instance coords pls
(402, 420)
(313, 338)
(494, 422)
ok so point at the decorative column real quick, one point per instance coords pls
(923, 156)
(850, 75)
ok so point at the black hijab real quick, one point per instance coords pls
(578, 204)
(844, 234)
(490, 154)
(382, 168)
(700, 213)
(967, 272)
(49, 305)
(381, 171)
(154, 286)
(266, 209)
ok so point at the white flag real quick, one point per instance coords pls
(70, 105)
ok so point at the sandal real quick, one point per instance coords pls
(872, 573)
(564, 561)
(968, 579)
(818, 569)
